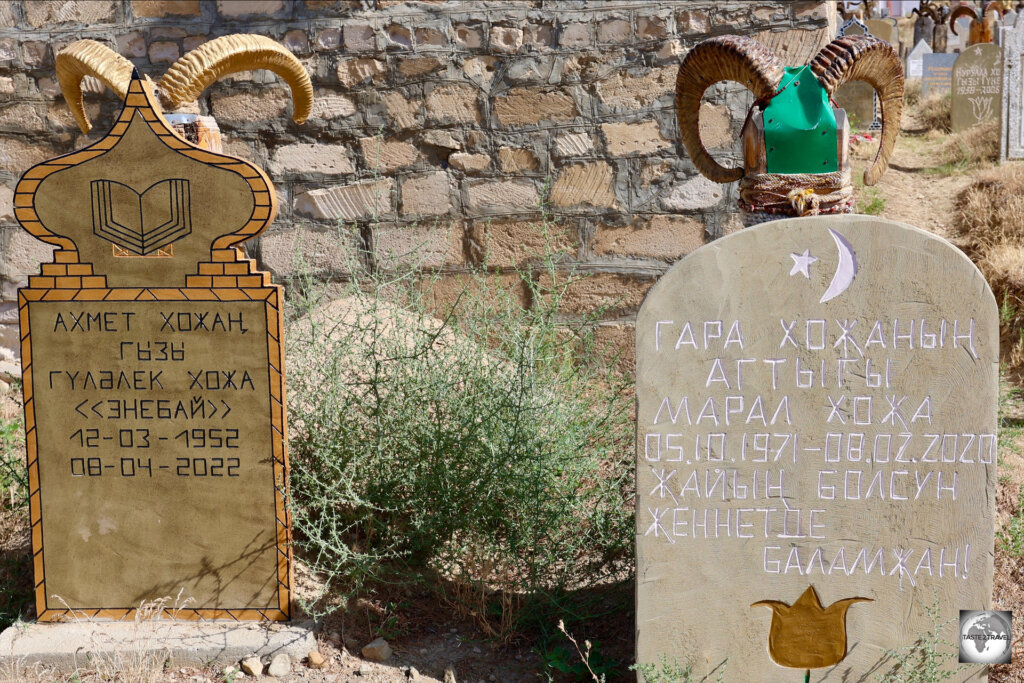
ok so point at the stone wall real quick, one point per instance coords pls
(439, 126)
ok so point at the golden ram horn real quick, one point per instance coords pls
(996, 7)
(866, 58)
(725, 58)
(961, 11)
(89, 58)
(195, 71)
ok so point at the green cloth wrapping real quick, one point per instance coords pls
(800, 126)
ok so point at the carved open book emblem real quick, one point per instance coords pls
(141, 223)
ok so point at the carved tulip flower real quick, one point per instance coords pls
(805, 635)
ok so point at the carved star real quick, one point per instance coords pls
(801, 263)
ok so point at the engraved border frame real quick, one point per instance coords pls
(229, 276)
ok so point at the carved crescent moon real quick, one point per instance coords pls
(845, 272)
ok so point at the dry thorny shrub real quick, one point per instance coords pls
(482, 455)
(989, 227)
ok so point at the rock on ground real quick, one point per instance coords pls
(280, 666)
(252, 666)
(377, 650)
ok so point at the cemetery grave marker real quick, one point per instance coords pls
(938, 73)
(959, 30)
(928, 15)
(153, 365)
(915, 60)
(1012, 101)
(884, 30)
(817, 429)
(976, 94)
(856, 97)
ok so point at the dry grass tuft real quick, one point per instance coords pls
(934, 112)
(912, 92)
(976, 146)
(989, 227)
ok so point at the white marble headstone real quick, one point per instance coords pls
(915, 60)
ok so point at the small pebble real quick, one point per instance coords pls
(365, 669)
(316, 660)
(449, 675)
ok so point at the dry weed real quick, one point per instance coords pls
(912, 92)
(933, 112)
(18, 671)
(989, 227)
(144, 661)
(978, 145)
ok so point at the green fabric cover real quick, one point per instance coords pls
(800, 126)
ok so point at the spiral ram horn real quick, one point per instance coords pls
(188, 77)
(745, 61)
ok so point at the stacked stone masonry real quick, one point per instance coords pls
(443, 127)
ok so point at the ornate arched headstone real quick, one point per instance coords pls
(816, 425)
(153, 378)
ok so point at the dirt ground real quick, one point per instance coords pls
(430, 637)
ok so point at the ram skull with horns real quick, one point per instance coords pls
(981, 30)
(796, 142)
(188, 77)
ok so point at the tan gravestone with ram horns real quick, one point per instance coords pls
(153, 363)
(816, 452)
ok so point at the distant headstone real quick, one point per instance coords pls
(915, 60)
(1013, 93)
(857, 97)
(976, 94)
(940, 37)
(938, 73)
(924, 28)
(958, 41)
(885, 30)
(153, 381)
(818, 428)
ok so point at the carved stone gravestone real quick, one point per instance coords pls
(1013, 93)
(857, 97)
(816, 427)
(915, 60)
(937, 76)
(940, 37)
(956, 42)
(977, 88)
(153, 380)
(924, 28)
(885, 30)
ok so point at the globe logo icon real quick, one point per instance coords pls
(985, 637)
